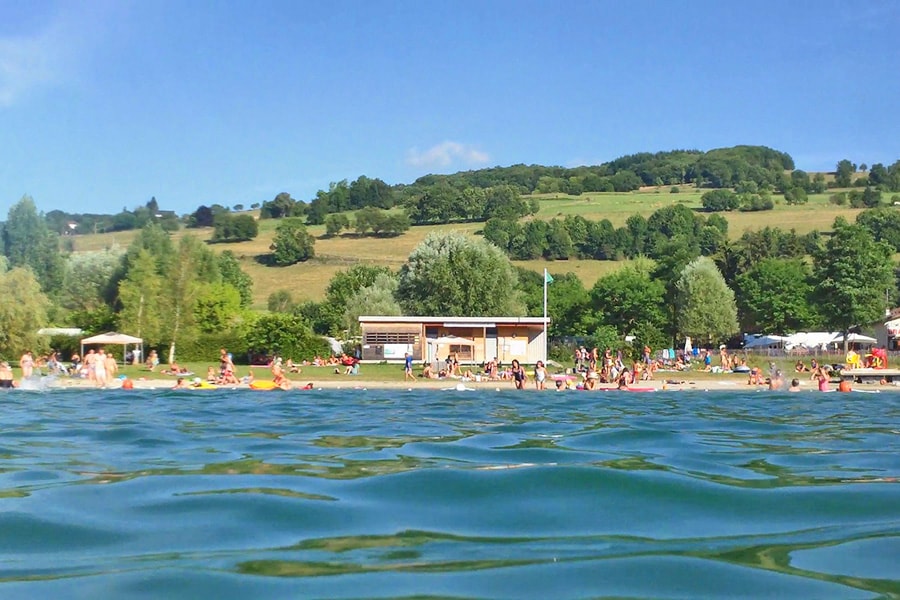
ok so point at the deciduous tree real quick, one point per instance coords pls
(28, 242)
(142, 300)
(776, 297)
(706, 309)
(22, 312)
(453, 275)
(375, 299)
(854, 275)
(292, 243)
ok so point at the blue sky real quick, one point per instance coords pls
(104, 104)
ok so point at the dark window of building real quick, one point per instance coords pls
(379, 337)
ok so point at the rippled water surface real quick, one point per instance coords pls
(427, 494)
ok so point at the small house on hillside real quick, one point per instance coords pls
(473, 339)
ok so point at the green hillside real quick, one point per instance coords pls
(308, 280)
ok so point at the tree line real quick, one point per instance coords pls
(769, 281)
(753, 172)
(686, 278)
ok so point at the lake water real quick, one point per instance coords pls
(413, 494)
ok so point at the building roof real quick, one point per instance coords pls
(458, 321)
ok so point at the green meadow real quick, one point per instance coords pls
(308, 280)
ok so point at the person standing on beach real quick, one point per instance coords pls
(540, 375)
(408, 368)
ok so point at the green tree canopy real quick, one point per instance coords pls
(287, 335)
(142, 301)
(233, 275)
(292, 243)
(87, 279)
(22, 312)
(776, 297)
(217, 307)
(706, 309)
(375, 299)
(452, 275)
(568, 303)
(28, 242)
(628, 299)
(234, 228)
(854, 275)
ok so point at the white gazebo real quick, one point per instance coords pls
(116, 339)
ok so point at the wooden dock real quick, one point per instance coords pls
(871, 375)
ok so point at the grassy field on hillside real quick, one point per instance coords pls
(817, 214)
(308, 281)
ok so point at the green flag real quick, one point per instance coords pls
(547, 277)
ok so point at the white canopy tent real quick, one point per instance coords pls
(856, 338)
(116, 339)
(812, 340)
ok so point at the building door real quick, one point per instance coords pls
(490, 344)
(431, 334)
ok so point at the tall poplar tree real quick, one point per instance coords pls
(142, 300)
(705, 306)
(28, 242)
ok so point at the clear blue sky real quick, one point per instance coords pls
(106, 103)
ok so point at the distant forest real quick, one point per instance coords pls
(740, 177)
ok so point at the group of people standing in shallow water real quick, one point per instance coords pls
(98, 367)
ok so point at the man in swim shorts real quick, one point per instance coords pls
(408, 368)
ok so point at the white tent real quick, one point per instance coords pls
(811, 340)
(856, 338)
(116, 339)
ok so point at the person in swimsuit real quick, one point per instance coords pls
(623, 380)
(518, 375)
(6, 376)
(822, 377)
(27, 364)
(540, 375)
(100, 368)
(278, 377)
(408, 367)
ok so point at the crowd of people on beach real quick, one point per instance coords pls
(591, 369)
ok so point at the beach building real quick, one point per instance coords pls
(473, 340)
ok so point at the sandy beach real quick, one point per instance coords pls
(361, 382)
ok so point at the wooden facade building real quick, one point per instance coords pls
(474, 340)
